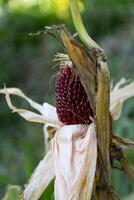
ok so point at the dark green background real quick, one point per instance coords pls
(26, 63)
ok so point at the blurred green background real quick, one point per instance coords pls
(26, 63)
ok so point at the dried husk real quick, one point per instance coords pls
(83, 62)
(42, 176)
(103, 120)
(75, 155)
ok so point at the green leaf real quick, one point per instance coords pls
(49, 192)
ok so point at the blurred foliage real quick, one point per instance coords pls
(130, 197)
(13, 193)
(26, 62)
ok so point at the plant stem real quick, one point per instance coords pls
(77, 20)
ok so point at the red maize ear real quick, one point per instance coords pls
(72, 103)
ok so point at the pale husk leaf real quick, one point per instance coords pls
(118, 96)
(18, 92)
(121, 82)
(30, 116)
(46, 109)
(40, 179)
(74, 152)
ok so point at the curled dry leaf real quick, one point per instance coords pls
(118, 96)
(49, 116)
(127, 167)
(124, 141)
